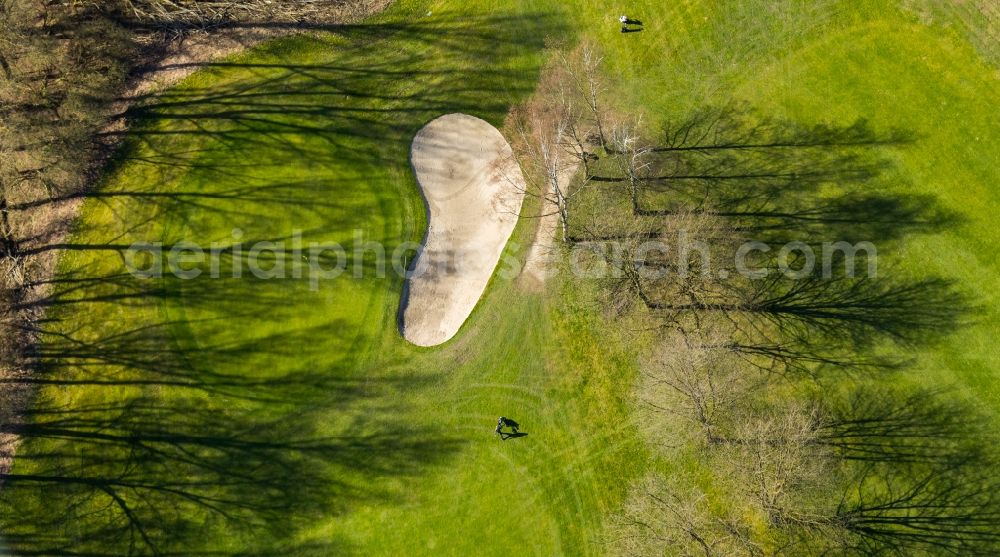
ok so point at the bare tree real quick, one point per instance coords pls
(584, 64)
(630, 157)
(668, 517)
(545, 166)
(672, 266)
(686, 377)
(727, 331)
(780, 464)
(550, 142)
(564, 128)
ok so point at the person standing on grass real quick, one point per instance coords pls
(626, 21)
(506, 422)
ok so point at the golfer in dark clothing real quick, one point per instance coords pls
(505, 422)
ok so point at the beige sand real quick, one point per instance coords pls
(473, 191)
(544, 250)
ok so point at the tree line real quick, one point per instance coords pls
(784, 383)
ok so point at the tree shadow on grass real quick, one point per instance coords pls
(165, 437)
(345, 118)
(922, 472)
(778, 181)
(170, 455)
(913, 472)
(791, 357)
(383, 82)
(853, 313)
(882, 425)
(773, 182)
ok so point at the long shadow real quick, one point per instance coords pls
(879, 425)
(774, 182)
(159, 475)
(922, 469)
(777, 181)
(177, 447)
(383, 82)
(861, 311)
(338, 101)
(792, 357)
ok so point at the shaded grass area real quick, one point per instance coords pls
(262, 417)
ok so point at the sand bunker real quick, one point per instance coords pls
(473, 191)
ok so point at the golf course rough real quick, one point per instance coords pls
(473, 190)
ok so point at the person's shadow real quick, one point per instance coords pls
(626, 29)
(507, 422)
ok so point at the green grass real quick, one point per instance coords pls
(364, 442)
